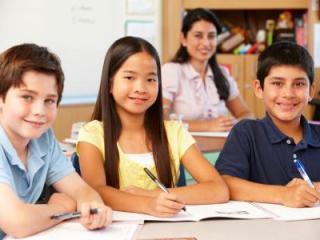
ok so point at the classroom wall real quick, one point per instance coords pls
(67, 115)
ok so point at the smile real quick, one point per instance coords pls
(35, 123)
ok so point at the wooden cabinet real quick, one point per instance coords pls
(243, 67)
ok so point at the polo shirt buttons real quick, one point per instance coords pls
(294, 156)
(288, 141)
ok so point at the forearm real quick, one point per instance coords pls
(244, 190)
(198, 125)
(32, 218)
(124, 201)
(86, 194)
(203, 193)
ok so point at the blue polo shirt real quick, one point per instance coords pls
(256, 150)
(46, 165)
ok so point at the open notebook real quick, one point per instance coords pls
(74, 230)
(232, 209)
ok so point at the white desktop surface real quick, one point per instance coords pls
(218, 229)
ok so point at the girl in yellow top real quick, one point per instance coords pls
(128, 133)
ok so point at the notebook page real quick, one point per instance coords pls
(74, 230)
(291, 214)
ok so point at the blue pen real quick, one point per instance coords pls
(303, 172)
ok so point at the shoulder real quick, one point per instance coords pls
(248, 127)
(172, 126)
(172, 66)
(93, 126)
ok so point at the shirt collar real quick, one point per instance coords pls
(276, 136)
(192, 73)
(37, 150)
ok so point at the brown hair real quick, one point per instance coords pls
(105, 111)
(17, 60)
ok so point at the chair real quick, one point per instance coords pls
(75, 162)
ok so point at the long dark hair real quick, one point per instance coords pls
(182, 55)
(105, 111)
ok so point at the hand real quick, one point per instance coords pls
(63, 200)
(140, 191)
(95, 221)
(299, 194)
(221, 123)
(165, 205)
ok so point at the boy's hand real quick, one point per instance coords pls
(63, 200)
(165, 205)
(221, 123)
(94, 221)
(299, 194)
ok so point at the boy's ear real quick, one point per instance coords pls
(257, 88)
(312, 91)
(183, 40)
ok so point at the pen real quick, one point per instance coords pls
(303, 172)
(64, 216)
(160, 185)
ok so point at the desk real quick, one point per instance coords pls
(259, 229)
(210, 141)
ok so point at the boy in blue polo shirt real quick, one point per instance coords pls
(257, 161)
(31, 84)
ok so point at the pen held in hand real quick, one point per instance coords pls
(303, 172)
(65, 216)
(159, 184)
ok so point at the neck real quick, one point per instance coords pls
(200, 67)
(20, 145)
(290, 128)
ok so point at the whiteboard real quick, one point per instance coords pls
(78, 31)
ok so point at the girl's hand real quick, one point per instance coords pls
(221, 123)
(98, 220)
(141, 191)
(63, 200)
(165, 205)
(299, 194)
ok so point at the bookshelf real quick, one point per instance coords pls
(243, 67)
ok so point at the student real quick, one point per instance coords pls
(31, 84)
(257, 161)
(128, 123)
(194, 80)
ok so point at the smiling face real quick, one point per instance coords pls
(201, 41)
(286, 93)
(135, 85)
(29, 110)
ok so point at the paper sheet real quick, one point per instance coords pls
(74, 230)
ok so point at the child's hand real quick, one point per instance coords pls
(299, 194)
(165, 205)
(94, 221)
(221, 123)
(63, 200)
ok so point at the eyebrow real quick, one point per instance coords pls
(282, 78)
(133, 72)
(35, 93)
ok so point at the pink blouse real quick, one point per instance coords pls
(190, 96)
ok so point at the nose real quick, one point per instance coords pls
(140, 86)
(38, 108)
(288, 91)
(206, 41)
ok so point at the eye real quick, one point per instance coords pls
(300, 84)
(277, 83)
(212, 36)
(152, 80)
(198, 36)
(27, 98)
(50, 101)
(128, 78)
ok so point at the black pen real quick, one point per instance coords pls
(159, 184)
(65, 216)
